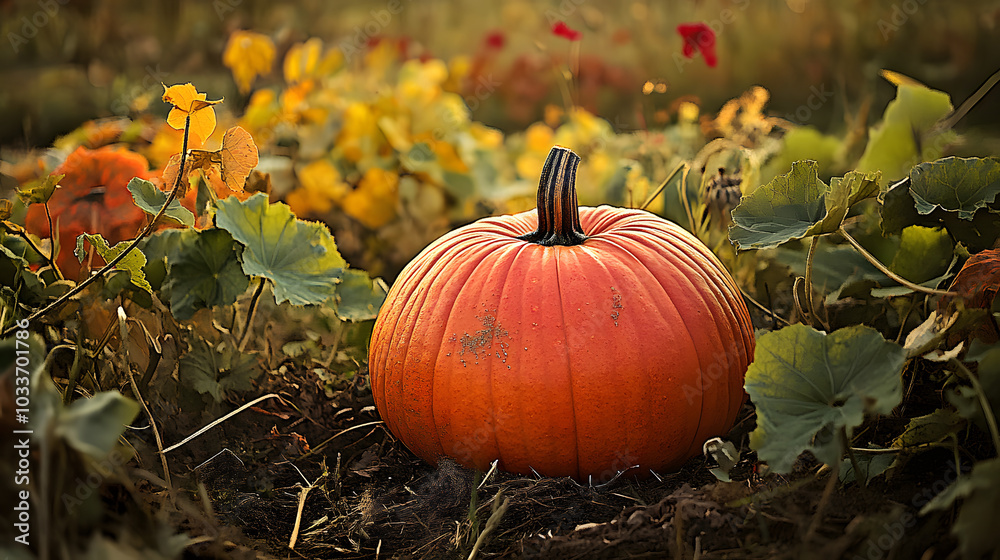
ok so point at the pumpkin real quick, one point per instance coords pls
(562, 341)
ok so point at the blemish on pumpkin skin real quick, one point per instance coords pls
(483, 338)
(616, 304)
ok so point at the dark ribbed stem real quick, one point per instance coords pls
(558, 215)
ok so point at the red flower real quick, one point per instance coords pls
(698, 36)
(562, 30)
(495, 40)
(93, 198)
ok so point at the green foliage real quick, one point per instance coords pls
(150, 199)
(300, 257)
(93, 425)
(358, 296)
(975, 526)
(40, 191)
(132, 263)
(797, 204)
(924, 253)
(870, 465)
(906, 135)
(205, 272)
(809, 385)
(218, 370)
(961, 185)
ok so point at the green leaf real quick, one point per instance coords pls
(965, 399)
(807, 385)
(870, 465)
(898, 211)
(975, 525)
(803, 142)
(930, 428)
(909, 119)
(358, 296)
(961, 185)
(161, 248)
(204, 273)
(150, 199)
(40, 190)
(132, 263)
(93, 425)
(300, 257)
(924, 253)
(797, 205)
(782, 210)
(217, 370)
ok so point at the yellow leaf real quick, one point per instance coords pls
(306, 61)
(373, 203)
(538, 138)
(248, 55)
(187, 101)
(239, 156)
(321, 186)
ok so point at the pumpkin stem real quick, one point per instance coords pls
(558, 215)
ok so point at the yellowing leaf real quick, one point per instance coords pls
(132, 263)
(239, 156)
(321, 187)
(248, 55)
(187, 101)
(373, 203)
(306, 61)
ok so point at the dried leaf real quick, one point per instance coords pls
(239, 156)
(979, 280)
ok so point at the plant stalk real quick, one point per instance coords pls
(885, 270)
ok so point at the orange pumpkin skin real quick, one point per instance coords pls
(628, 349)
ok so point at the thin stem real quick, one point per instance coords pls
(250, 313)
(809, 273)
(47, 258)
(126, 363)
(850, 455)
(656, 192)
(135, 242)
(558, 214)
(984, 402)
(969, 103)
(51, 258)
(885, 270)
(762, 307)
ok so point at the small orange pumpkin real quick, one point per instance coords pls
(565, 341)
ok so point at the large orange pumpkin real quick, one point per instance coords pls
(564, 343)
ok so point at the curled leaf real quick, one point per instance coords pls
(40, 191)
(187, 101)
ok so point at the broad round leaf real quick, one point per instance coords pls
(954, 184)
(204, 273)
(797, 205)
(300, 257)
(807, 385)
(151, 199)
(359, 297)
